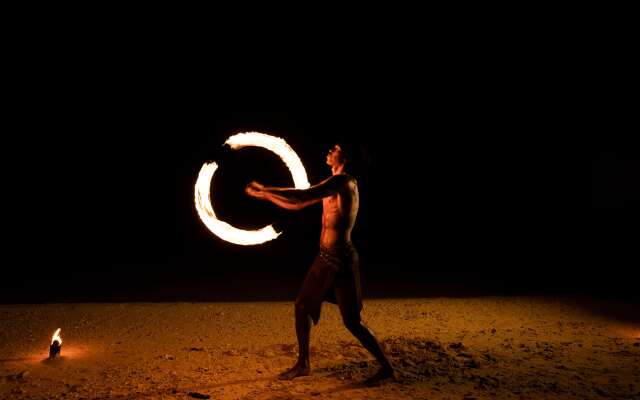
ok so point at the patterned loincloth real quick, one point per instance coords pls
(335, 269)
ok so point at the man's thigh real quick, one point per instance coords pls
(348, 300)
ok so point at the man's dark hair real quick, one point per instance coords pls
(356, 156)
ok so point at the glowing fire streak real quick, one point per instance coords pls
(56, 336)
(203, 186)
(278, 146)
(221, 228)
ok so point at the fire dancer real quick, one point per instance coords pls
(334, 275)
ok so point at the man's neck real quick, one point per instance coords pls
(337, 169)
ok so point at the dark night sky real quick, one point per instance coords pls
(99, 178)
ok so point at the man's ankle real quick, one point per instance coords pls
(386, 365)
(302, 363)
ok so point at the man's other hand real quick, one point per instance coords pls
(254, 191)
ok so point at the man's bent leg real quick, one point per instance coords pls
(349, 308)
(303, 331)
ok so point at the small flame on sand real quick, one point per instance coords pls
(56, 336)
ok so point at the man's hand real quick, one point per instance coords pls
(254, 189)
(257, 186)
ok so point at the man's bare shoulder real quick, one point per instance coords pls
(334, 185)
(351, 180)
(344, 181)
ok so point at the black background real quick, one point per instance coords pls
(483, 176)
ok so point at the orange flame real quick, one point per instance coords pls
(278, 146)
(56, 336)
(203, 188)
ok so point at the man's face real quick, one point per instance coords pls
(334, 157)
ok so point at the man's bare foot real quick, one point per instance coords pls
(294, 372)
(382, 374)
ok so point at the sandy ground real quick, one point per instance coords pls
(443, 348)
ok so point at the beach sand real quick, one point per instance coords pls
(443, 348)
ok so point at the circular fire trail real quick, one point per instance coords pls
(203, 188)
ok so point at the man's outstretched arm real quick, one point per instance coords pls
(286, 203)
(281, 201)
(295, 199)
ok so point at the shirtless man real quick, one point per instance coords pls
(334, 275)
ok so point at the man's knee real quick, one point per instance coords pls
(299, 307)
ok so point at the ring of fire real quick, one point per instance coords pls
(203, 188)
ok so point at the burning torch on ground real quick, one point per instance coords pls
(56, 344)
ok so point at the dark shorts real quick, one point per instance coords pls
(334, 276)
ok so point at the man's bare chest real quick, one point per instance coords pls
(330, 205)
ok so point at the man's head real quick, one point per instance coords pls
(352, 156)
(335, 157)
